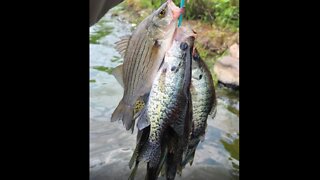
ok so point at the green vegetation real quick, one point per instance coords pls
(215, 21)
(227, 13)
(233, 110)
(101, 31)
(232, 148)
(92, 81)
(103, 69)
(224, 13)
(232, 95)
(115, 59)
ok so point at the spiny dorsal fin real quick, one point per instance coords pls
(122, 44)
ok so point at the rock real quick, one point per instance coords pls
(212, 45)
(227, 70)
(234, 51)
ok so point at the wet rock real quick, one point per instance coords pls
(227, 70)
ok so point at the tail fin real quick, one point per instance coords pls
(123, 112)
(142, 139)
(151, 173)
(151, 153)
(189, 157)
(134, 171)
(171, 166)
(154, 166)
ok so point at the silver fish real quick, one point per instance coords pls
(143, 53)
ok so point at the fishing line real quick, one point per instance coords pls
(180, 18)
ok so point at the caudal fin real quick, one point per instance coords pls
(151, 152)
(134, 171)
(156, 161)
(125, 113)
(189, 156)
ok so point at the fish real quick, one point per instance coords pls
(177, 146)
(142, 137)
(140, 103)
(179, 136)
(152, 173)
(171, 154)
(143, 54)
(204, 102)
(172, 143)
(172, 148)
(167, 104)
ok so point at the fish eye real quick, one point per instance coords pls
(162, 13)
(183, 46)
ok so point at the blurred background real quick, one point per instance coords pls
(217, 25)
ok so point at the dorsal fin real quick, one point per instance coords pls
(122, 44)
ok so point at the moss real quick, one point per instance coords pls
(236, 169)
(215, 79)
(96, 36)
(234, 165)
(101, 30)
(92, 81)
(115, 59)
(233, 110)
(232, 148)
(103, 69)
(230, 94)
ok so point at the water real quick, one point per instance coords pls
(111, 146)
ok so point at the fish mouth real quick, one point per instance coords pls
(176, 11)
